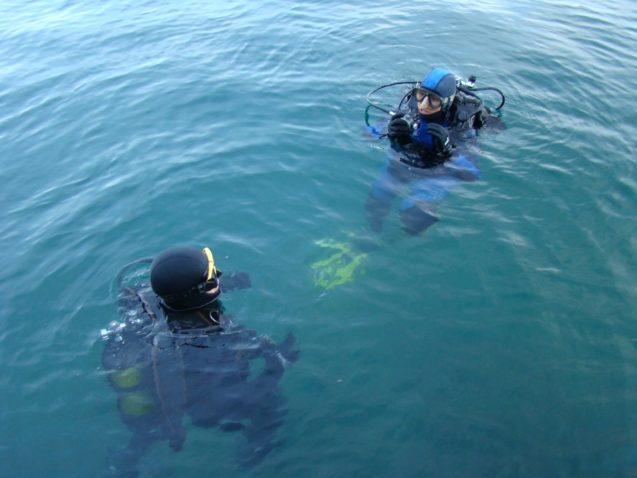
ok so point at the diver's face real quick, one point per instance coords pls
(428, 103)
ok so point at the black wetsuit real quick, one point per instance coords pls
(164, 365)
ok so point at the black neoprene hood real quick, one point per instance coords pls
(177, 270)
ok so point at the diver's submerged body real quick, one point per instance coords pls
(433, 148)
(179, 354)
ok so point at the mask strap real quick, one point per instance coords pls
(212, 270)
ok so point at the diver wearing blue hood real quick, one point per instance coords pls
(433, 142)
(177, 353)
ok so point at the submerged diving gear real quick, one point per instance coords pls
(163, 373)
(339, 268)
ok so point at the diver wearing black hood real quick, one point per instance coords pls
(177, 353)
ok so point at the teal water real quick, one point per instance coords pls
(500, 343)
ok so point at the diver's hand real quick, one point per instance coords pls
(399, 129)
(287, 348)
(440, 139)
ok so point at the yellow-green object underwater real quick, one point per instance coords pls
(339, 268)
(136, 404)
(127, 378)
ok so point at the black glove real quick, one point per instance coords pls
(440, 139)
(399, 129)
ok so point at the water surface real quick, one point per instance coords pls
(501, 343)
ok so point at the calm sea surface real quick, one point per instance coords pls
(502, 343)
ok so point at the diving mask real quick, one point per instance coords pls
(434, 100)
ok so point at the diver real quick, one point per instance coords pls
(433, 139)
(176, 353)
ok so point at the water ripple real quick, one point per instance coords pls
(504, 335)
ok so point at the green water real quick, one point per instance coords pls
(500, 343)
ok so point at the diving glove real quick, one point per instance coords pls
(399, 129)
(440, 138)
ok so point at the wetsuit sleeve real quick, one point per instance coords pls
(267, 408)
(276, 358)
